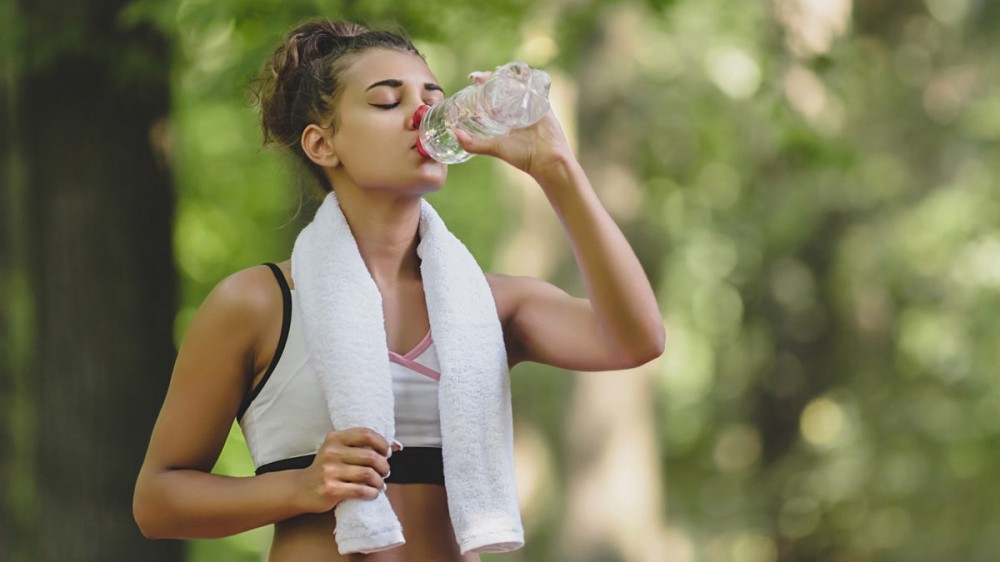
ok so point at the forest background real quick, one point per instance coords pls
(811, 187)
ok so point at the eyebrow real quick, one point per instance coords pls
(394, 83)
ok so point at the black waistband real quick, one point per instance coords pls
(412, 465)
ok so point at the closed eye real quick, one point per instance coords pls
(385, 105)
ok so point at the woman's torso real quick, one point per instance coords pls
(422, 508)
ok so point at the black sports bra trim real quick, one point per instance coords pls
(286, 322)
(412, 465)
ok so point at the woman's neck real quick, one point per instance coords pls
(385, 227)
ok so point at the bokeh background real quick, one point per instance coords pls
(811, 186)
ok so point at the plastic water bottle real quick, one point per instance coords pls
(514, 96)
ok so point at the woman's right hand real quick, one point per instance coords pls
(350, 464)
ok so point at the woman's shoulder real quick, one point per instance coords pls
(247, 299)
(234, 324)
(508, 291)
(511, 286)
(515, 292)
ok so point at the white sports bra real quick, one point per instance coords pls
(284, 418)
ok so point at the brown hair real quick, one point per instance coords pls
(300, 84)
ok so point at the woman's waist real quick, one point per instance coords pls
(422, 510)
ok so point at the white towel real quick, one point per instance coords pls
(345, 333)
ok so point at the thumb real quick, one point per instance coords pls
(473, 145)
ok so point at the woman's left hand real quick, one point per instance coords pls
(538, 150)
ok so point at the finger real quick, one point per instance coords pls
(365, 437)
(359, 491)
(363, 475)
(479, 76)
(360, 456)
(473, 145)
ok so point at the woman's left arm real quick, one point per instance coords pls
(619, 325)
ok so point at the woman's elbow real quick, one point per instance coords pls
(143, 519)
(146, 515)
(648, 348)
(659, 341)
(647, 354)
(655, 350)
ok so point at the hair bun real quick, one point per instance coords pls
(315, 40)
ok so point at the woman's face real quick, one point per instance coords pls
(375, 140)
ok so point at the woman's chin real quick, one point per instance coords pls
(418, 188)
(433, 179)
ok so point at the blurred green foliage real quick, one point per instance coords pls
(814, 194)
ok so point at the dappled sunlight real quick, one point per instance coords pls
(536, 479)
(948, 91)
(950, 12)
(808, 95)
(539, 47)
(734, 71)
(688, 371)
(615, 493)
(813, 25)
(737, 449)
(823, 423)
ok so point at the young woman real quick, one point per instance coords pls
(343, 98)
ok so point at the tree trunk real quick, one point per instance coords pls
(615, 497)
(90, 253)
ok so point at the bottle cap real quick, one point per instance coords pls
(418, 117)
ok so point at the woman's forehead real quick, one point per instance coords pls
(378, 65)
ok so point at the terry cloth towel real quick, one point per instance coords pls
(345, 335)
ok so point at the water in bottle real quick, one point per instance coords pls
(514, 96)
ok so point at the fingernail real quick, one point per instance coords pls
(398, 444)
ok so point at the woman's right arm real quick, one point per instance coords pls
(176, 496)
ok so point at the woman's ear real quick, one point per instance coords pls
(319, 147)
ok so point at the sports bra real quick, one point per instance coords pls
(284, 418)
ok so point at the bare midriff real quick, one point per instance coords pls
(422, 510)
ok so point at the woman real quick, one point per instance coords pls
(343, 99)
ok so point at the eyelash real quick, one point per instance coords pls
(390, 105)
